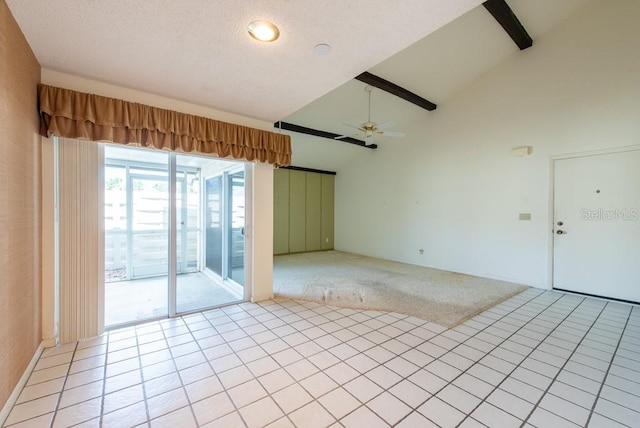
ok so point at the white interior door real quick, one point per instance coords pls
(597, 225)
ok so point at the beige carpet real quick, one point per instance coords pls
(352, 281)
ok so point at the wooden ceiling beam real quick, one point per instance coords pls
(510, 22)
(398, 91)
(324, 134)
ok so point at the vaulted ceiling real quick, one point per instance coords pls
(435, 68)
(199, 51)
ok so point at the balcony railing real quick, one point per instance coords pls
(149, 255)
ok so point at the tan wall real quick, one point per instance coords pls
(20, 331)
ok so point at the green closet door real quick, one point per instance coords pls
(297, 211)
(281, 211)
(328, 195)
(313, 214)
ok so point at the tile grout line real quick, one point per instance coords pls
(177, 371)
(66, 377)
(295, 312)
(215, 373)
(495, 346)
(235, 353)
(363, 374)
(441, 334)
(324, 349)
(483, 400)
(73, 360)
(451, 350)
(296, 381)
(190, 405)
(138, 357)
(604, 379)
(577, 345)
(284, 311)
(414, 408)
(546, 391)
(104, 377)
(142, 381)
(281, 367)
(300, 331)
(567, 360)
(292, 347)
(286, 323)
(496, 387)
(4, 424)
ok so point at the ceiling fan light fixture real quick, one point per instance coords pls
(263, 31)
(370, 129)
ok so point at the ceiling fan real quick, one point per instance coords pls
(370, 129)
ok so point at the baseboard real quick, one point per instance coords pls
(453, 269)
(6, 409)
(49, 343)
(261, 298)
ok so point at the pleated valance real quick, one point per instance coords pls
(71, 114)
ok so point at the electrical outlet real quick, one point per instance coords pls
(326, 240)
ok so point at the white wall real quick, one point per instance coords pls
(451, 186)
(260, 231)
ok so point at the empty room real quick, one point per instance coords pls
(320, 214)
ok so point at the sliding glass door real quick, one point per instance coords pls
(225, 227)
(136, 205)
(203, 219)
(144, 234)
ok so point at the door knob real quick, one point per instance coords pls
(560, 232)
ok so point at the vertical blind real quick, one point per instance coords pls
(81, 239)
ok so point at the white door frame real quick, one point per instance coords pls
(551, 213)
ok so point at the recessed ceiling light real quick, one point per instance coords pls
(264, 31)
(322, 49)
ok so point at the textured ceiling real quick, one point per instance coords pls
(199, 50)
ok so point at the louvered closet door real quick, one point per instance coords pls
(80, 239)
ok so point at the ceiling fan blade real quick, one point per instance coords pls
(351, 126)
(386, 124)
(393, 134)
(340, 137)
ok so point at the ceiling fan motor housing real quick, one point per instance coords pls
(368, 127)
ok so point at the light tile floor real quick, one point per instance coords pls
(540, 359)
